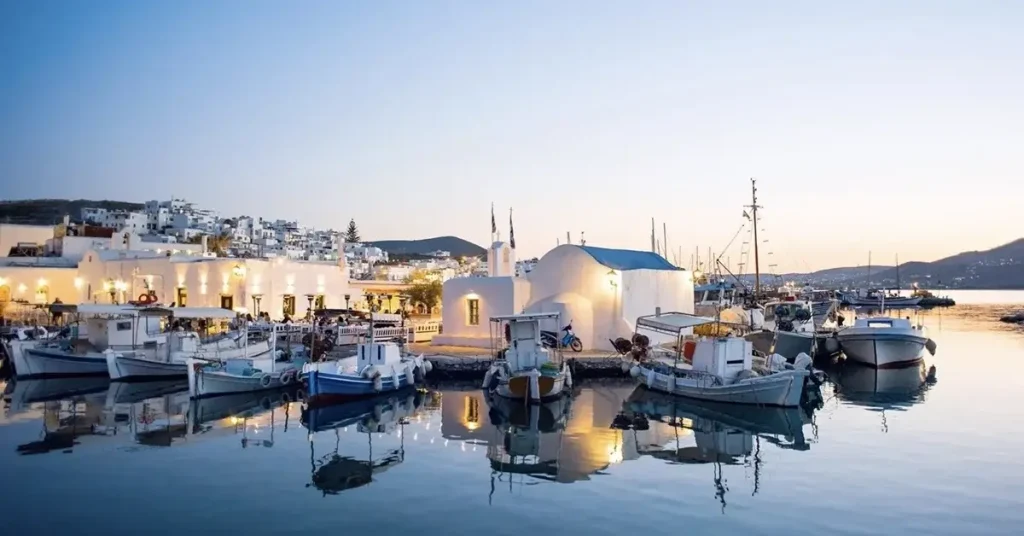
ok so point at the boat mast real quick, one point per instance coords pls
(757, 261)
(898, 274)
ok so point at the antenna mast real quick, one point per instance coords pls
(753, 208)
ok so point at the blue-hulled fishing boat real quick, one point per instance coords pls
(379, 368)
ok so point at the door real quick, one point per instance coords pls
(227, 302)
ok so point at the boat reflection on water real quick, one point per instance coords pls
(387, 414)
(882, 390)
(84, 412)
(680, 431)
(523, 429)
(896, 388)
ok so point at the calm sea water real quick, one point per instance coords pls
(880, 453)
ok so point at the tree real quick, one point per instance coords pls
(427, 293)
(218, 244)
(352, 234)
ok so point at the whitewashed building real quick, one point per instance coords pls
(601, 291)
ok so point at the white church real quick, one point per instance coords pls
(601, 291)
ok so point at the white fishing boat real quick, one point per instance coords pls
(720, 369)
(169, 360)
(109, 327)
(245, 374)
(524, 369)
(884, 342)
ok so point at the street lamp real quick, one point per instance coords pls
(256, 298)
(309, 308)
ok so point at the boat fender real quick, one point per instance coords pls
(568, 376)
(671, 381)
(625, 366)
(651, 375)
(378, 383)
(265, 380)
(488, 377)
(634, 371)
(410, 373)
(427, 365)
(802, 361)
(286, 377)
(534, 385)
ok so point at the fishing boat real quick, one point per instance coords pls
(874, 297)
(884, 342)
(245, 374)
(379, 367)
(116, 328)
(719, 369)
(169, 360)
(334, 473)
(524, 369)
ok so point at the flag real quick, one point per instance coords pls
(511, 231)
(494, 224)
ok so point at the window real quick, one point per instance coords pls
(289, 305)
(182, 297)
(474, 311)
(124, 326)
(227, 302)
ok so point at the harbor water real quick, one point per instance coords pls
(875, 452)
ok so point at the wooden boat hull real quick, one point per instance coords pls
(33, 361)
(325, 387)
(783, 389)
(121, 367)
(204, 382)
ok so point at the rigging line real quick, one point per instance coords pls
(726, 248)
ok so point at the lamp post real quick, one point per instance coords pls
(256, 298)
(309, 308)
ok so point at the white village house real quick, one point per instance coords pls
(601, 291)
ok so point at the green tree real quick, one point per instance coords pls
(352, 234)
(218, 244)
(426, 292)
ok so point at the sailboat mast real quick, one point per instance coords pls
(898, 288)
(757, 259)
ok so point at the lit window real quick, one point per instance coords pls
(474, 311)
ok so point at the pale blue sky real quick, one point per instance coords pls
(412, 117)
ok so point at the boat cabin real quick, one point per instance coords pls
(725, 357)
(379, 354)
(720, 293)
(519, 337)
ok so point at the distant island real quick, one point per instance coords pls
(1001, 267)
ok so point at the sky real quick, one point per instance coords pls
(889, 127)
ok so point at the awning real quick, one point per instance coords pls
(672, 323)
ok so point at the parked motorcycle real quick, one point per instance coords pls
(551, 339)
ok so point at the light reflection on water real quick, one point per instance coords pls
(878, 453)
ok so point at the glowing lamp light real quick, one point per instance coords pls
(41, 283)
(22, 287)
(78, 283)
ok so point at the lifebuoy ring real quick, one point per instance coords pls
(286, 378)
(265, 380)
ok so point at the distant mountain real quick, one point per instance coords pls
(1000, 267)
(997, 268)
(52, 211)
(453, 244)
